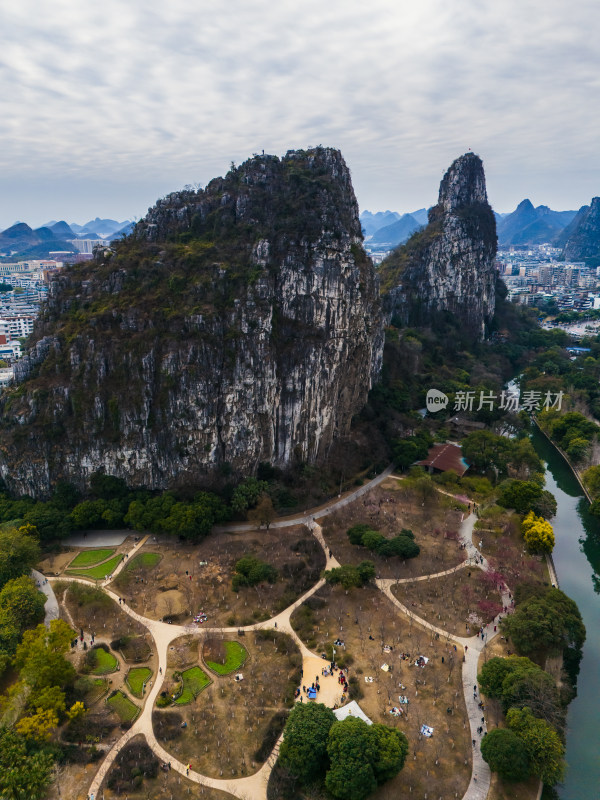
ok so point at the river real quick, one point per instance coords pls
(577, 561)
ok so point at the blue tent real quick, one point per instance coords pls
(312, 694)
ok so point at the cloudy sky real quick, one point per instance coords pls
(106, 106)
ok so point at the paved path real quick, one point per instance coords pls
(254, 787)
(51, 607)
(317, 513)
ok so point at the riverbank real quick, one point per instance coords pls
(577, 556)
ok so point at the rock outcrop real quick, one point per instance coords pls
(583, 242)
(238, 324)
(449, 266)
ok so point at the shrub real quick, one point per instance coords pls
(356, 533)
(250, 571)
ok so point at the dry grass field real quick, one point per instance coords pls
(439, 766)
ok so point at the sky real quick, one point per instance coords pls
(105, 107)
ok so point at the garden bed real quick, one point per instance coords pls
(87, 558)
(194, 680)
(101, 571)
(122, 705)
(224, 657)
(136, 679)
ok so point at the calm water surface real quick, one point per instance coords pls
(577, 561)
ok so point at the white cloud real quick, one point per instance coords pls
(147, 96)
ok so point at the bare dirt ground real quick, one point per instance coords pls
(459, 603)
(436, 766)
(167, 591)
(389, 508)
(167, 785)
(227, 722)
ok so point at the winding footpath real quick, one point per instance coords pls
(254, 787)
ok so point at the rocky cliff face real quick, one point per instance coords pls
(449, 265)
(238, 324)
(583, 242)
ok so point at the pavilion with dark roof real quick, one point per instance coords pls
(444, 457)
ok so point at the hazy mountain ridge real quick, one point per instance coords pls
(528, 224)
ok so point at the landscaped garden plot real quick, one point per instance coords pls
(136, 569)
(136, 774)
(233, 726)
(95, 612)
(459, 603)
(91, 688)
(389, 508)
(354, 616)
(89, 557)
(123, 706)
(137, 677)
(194, 681)
(100, 572)
(144, 560)
(134, 649)
(101, 661)
(207, 587)
(223, 657)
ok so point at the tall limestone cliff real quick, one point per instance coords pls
(237, 324)
(448, 267)
(583, 242)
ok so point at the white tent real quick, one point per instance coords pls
(351, 710)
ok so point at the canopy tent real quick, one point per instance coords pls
(312, 694)
(351, 710)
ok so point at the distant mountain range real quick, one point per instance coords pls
(391, 228)
(530, 225)
(526, 225)
(23, 242)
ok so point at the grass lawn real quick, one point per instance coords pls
(194, 681)
(89, 557)
(100, 572)
(144, 561)
(120, 703)
(96, 688)
(136, 678)
(105, 662)
(235, 655)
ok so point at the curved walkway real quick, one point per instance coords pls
(255, 786)
(51, 606)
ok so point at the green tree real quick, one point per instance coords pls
(550, 622)
(372, 540)
(250, 571)
(247, 494)
(87, 514)
(51, 523)
(352, 752)
(391, 746)
(506, 754)
(578, 449)
(591, 479)
(303, 750)
(21, 606)
(356, 532)
(23, 776)
(19, 553)
(107, 487)
(526, 496)
(543, 746)
(351, 576)
(39, 657)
